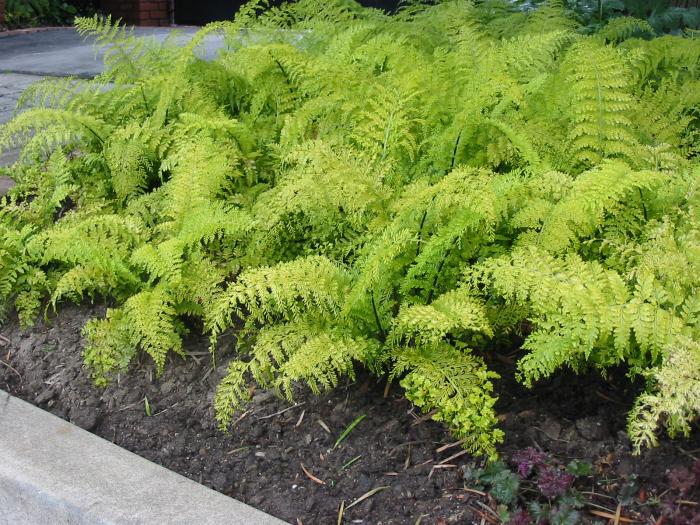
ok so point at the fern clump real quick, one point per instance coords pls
(350, 189)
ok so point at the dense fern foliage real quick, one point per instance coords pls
(351, 189)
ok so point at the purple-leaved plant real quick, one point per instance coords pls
(683, 482)
(553, 482)
(528, 459)
(521, 517)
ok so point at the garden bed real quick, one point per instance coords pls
(437, 198)
(260, 461)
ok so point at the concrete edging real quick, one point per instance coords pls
(54, 472)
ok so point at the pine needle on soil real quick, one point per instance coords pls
(366, 495)
(311, 476)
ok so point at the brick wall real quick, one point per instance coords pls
(138, 12)
(2, 11)
(154, 13)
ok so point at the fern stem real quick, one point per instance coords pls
(644, 206)
(439, 269)
(93, 132)
(422, 224)
(386, 59)
(382, 333)
(454, 151)
(387, 134)
(420, 232)
(284, 73)
(145, 100)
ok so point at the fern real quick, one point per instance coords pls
(350, 189)
(600, 104)
(452, 312)
(595, 196)
(674, 398)
(624, 27)
(614, 323)
(145, 322)
(457, 386)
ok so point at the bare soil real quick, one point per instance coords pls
(262, 460)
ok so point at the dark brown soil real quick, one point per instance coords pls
(260, 461)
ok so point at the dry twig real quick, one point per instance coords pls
(340, 512)
(311, 476)
(279, 412)
(608, 515)
(449, 445)
(366, 495)
(453, 456)
(8, 365)
(301, 418)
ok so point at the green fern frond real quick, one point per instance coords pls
(457, 386)
(673, 400)
(108, 347)
(162, 262)
(624, 27)
(231, 393)
(594, 195)
(124, 52)
(615, 323)
(600, 103)
(452, 312)
(151, 318)
(322, 359)
(48, 128)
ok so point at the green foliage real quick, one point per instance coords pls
(503, 484)
(599, 83)
(21, 13)
(631, 16)
(676, 397)
(347, 189)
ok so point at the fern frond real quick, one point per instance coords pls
(594, 195)
(673, 400)
(123, 50)
(323, 359)
(231, 393)
(311, 286)
(454, 311)
(162, 262)
(109, 347)
(609, 314)
(457, 386)
(151, 319)
(601, 102)
(51, 128)
(624, 27)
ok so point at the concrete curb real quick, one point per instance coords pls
(29, 30)
(54, 472)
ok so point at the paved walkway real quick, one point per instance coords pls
(56, 473)
(11, 86)
(63, 52)
(28, 57)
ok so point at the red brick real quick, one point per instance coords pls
(2, 11)
(150, 18)
(143, 12)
